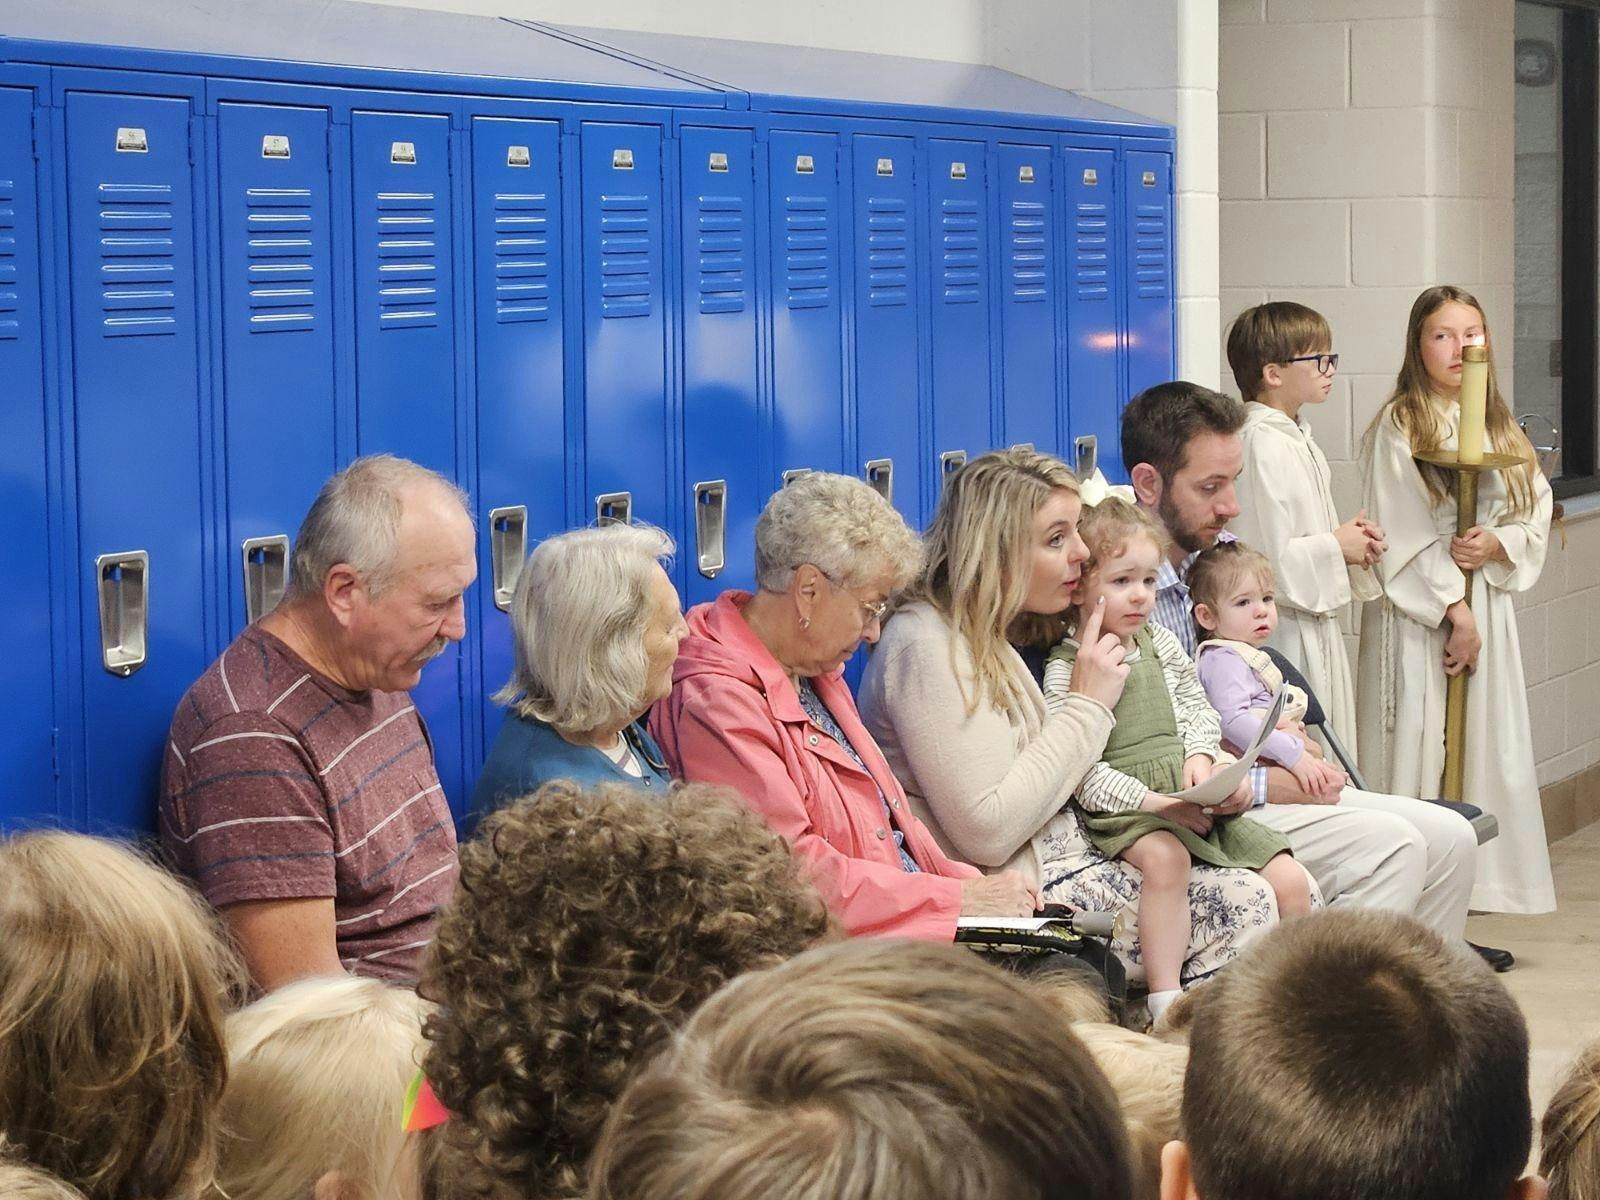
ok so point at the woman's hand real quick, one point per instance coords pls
(1099, 672)
(1476, 547)
(1179, 812)
(1197, 768)
(1003, 894)
(1462, 646)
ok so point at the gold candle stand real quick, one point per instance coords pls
(1455, 700)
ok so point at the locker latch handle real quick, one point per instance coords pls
(613, 508)
(123, 582)
(1086, 455)
(880, 474)
(1024, 446)
(794, 473)
(265, 564)
(508, 546)
(950, 462)
(711, 526)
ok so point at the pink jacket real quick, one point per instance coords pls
(733, 718)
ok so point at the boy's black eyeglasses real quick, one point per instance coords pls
(1326, 363)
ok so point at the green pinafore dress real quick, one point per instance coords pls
(1145, 744)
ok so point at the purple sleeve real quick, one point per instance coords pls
(1234, 689)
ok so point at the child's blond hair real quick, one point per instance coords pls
(1147, 1076)
(1107, 529)
(18, 1181)
(1569, 1138)
(1218, 570)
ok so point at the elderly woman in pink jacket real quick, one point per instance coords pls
(759, 703)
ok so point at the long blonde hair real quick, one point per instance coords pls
(318, 1074)
(1414, 414)
(114, 981)
(978, 564)
(1569, 1138)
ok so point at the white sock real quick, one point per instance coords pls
(1159, 1002)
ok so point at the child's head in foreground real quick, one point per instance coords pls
(1569, 1142)
(1354, 1054)
(889, 1070)
(1125, 549)
(1231, 586)
(1280, 353)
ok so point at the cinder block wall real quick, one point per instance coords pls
(1366, 151)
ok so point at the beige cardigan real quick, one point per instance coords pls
(992, 786)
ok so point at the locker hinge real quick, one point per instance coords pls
(36, 115)
(191, 140)
(55, 752)
(327, 145)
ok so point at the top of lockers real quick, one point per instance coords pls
(345, 42)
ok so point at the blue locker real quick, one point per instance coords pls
(625, 331)
(887, 397)
(276, 228)
(960, 216)
(1093, 302)
(807, 304)
(137, 388)
(1148, 258)
(520, 370)
(721, 417)
(26, 736)
(1027, 280)
(406, 344)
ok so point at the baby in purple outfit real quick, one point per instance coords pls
(1234, 614)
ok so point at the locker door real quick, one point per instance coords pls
(1094, 386)
(136, 389)
(958, 263)
(720, 417)
(807, 306)
(1028, 297)
(277, 337)
(25, 602)
(888, 425)
(1147, 246)
(625, 347)
(521, 373)
(405, 344)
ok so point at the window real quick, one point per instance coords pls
(1556, 372)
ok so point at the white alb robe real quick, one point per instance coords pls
(1286, 511)
(1401, 664)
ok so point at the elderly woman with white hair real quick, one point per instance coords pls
(595, 626)
(759, 704)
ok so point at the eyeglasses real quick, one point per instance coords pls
(1326, 363)
(874, 609)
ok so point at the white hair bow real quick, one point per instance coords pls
(1095, 489)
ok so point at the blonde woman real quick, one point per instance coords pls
(964, 725)
(1569, 1138)
(1422, 631)
(318, 1071)
(114, 981)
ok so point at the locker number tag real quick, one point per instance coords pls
(886, 166)
(958, 170)
(132, 141)
(622, 160)
(804, 164)
(1091, 177)
(403, 154)
(274, 145)
(1024, 174)
(718, 161)
(518, 156)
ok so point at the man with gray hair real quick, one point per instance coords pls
(298, 788)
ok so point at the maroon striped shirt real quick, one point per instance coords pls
(279, 784)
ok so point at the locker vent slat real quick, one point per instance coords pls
(281, 237)
(625, 266)
(137, 277)
(961, 262)
(808, 252)
(1091, 258)
(1030, 252)
(10, 287)
(521, 257)
(722, 267)
(887, 253)
(408, 260)
(1150, 252)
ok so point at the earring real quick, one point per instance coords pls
(805, 622)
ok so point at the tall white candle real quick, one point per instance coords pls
(1474, 398)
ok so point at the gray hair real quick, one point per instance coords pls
(840, 526)
(355, 519)
(578, 618)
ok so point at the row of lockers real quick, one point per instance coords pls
(212, 293)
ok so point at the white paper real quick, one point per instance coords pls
(1226, 781)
